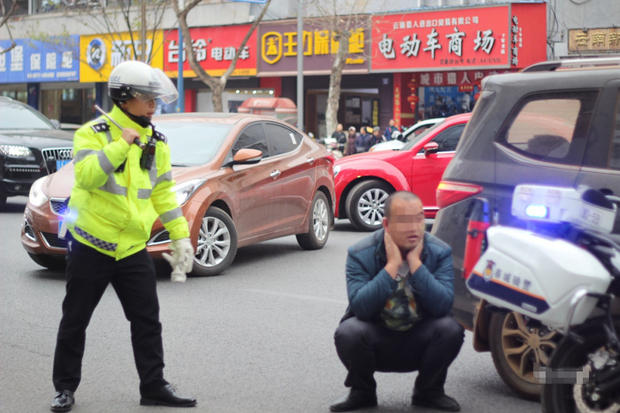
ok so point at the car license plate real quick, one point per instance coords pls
(60, 164)
(62, 229)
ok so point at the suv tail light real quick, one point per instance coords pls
(475, 241)
(449, 192)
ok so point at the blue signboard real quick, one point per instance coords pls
(56, 60)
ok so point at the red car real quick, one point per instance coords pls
(364, 181)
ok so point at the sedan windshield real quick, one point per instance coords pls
(193, 143)
(420, 137)
(15, 116)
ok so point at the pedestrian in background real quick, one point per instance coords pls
(351, 139)
(121, 187)
(360, 140)
(389, 131)
(340, 136)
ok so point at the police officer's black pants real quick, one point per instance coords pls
(429, 347)
(134, 280)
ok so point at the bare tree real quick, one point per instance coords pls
(216, 84)
(342, 18)
(139, 18)
(6, 11)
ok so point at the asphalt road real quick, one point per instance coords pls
(258, 338)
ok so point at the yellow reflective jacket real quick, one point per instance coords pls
(113, 211)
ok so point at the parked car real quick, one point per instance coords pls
(240, 179)
(30, 147)
(406, 136)
(555, 123)
(364, 181)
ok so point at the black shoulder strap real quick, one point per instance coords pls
(158, 136)
(101, 126)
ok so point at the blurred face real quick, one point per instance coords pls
(351, 131)
(391, 122)
(406, 223)
(339, 128)
(140, 106)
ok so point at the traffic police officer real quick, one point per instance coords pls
(117, 195)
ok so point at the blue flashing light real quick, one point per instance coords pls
(537, 211)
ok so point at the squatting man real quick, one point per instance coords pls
(400, 290)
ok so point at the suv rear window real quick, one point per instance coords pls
(547, 126)
(614, 157)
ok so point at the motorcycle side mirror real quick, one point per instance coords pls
(246, 156)
(431, 148)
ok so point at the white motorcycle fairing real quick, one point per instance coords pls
(537, 276)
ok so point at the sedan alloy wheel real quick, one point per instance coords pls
(217, 243)
(320, 221)
(366, 202)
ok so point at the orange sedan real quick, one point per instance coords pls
(240, 179)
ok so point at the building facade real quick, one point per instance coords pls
(406, 60)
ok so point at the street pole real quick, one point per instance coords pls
(180, 85)
(300, 65)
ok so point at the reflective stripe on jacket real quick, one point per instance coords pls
(115, 211)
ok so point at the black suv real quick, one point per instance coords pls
(554, 123)
(31, 146)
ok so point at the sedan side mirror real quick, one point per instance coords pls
(56, 123)
(247, 156)
(431, 148)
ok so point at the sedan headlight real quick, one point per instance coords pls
(184, 190)
(37, 196)
(17, 151)
(336, 170)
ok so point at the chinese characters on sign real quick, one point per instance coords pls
(38, 61)
(594, 40)
(516, 41)
(279, 47)
(457, 38)
(214, 48)
(102, 52)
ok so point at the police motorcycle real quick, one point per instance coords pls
(562, 271)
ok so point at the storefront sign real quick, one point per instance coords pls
(100, 53)
(594, 40)
(482, 37)
(55, 60)
(278, 45)
(215, 48)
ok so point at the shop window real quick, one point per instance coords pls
(547, 127)
(281, 139)
(20, 95)
(20, 8)
(47, 6)
(252, 137)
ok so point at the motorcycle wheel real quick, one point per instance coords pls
(557, 395)
(519, 347)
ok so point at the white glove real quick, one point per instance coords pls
(181, 260)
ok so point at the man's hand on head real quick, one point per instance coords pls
(394, 257)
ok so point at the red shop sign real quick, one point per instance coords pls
(468, 38)
(215, 48)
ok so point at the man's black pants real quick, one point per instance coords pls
(133, 279)
(429, 347)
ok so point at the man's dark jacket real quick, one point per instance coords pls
(369, 285)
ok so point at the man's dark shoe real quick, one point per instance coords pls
(356, 399)
(441, 402)
(63, 401)
(166, 396)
